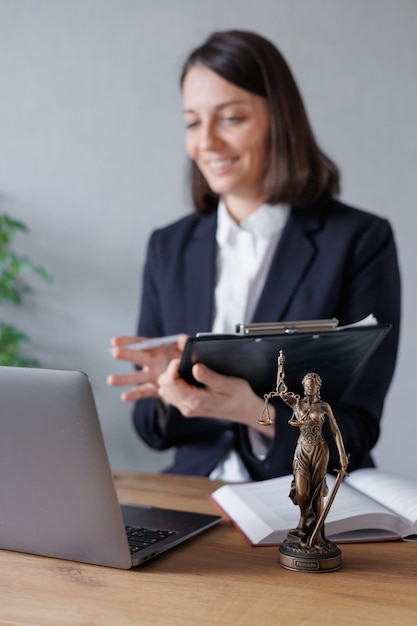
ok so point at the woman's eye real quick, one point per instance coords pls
(191, 125)
(231, 119)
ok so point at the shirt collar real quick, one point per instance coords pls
(265, 222)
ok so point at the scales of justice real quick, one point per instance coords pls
(306, 547)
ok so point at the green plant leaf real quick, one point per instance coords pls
(14, 271)
(10, 342)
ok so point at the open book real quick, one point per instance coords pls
(370, 505)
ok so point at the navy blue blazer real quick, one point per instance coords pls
(332, 261)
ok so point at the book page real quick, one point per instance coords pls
(264, 512)
(394, 492)
(353, 511)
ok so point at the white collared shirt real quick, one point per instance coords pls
(244, 256)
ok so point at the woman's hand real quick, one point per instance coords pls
(222, 397)
(152, 363)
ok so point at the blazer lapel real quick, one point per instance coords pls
(294, 253)
(200, 263)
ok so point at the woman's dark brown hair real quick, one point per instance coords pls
(299, 172)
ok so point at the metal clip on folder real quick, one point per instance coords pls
(268, 328)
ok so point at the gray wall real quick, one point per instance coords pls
(91, 158)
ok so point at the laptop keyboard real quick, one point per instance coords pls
(140, 538)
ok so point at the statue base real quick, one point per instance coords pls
(323, 557)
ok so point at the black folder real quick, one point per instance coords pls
(336, 355)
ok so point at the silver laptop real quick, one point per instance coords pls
(57, 496)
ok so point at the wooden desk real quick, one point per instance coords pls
(215, 578)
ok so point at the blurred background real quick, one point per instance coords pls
(92, 160)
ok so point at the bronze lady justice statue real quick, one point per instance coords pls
(306, 547)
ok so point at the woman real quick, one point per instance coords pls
(267, 242)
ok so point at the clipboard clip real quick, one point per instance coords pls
(287, 328)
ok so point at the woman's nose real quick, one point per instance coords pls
(208, 136)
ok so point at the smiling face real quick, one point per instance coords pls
(227, 136)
